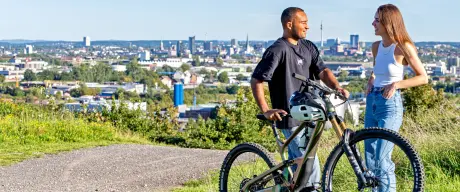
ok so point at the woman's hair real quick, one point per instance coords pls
(391, 18)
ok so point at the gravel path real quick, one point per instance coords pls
(112, 168)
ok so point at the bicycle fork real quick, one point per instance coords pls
(355, 160)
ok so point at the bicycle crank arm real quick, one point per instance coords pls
(351, 157)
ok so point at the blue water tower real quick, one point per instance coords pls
(178, 94)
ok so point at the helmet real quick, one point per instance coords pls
(306, 106)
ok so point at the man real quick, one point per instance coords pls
(291, 54)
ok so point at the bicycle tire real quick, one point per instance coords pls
(377, 133)
(234, 153)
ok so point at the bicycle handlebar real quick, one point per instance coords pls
(262, 116)
(319, 86)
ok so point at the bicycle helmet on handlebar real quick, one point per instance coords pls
(306, 106)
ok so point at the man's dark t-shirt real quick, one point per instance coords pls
(278, 63)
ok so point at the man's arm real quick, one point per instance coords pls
(259, 95)
(264, 72)
(325, 74)
(329, 79)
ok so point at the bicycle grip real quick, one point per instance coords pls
(261, 117)
(299, 77)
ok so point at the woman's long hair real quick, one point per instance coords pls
(391, 18)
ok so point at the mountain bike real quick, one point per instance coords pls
(356, 171)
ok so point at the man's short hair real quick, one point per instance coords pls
(289, 13)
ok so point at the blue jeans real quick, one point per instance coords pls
(296, 149)
(383, 113)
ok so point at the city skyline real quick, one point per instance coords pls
(148, 20)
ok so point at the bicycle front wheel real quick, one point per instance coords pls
(243, 163)
(390, 162)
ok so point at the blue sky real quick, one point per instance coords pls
(426, 20)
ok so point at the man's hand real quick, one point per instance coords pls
(344, 92)
(272, 114)
(329, 79)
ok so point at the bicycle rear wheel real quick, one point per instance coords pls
(243, 163)
(392, 166)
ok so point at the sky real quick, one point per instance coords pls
(426, 20)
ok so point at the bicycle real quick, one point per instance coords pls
(281, 177)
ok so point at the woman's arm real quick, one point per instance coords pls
(420, 77)
(370, 82)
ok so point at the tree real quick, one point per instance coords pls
(203, 71)
(17, 92)
(66, 76)
(211, 75)
(185, 67)
(240, 77)
(248, 69)
(2, 78)
(357, 85)
(219, 62)
(223, 77)
(236, 56)
(75, 93)
(196, 61)
(134, 70)
(47, 75)
(58, 95)
(102, 72)
(232, 89)
(343, 75)
(166, 68)
(29, 75)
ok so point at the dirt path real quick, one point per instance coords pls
(112, 168)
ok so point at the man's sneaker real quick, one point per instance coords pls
(309, 189)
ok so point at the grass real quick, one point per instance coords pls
(29, 131)
(434, 133)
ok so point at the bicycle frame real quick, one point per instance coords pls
(308, 158)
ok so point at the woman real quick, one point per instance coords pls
(383, 103)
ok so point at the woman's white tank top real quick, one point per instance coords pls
(386, 69)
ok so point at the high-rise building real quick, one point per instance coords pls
(233, 43)
(161, 45)
(145, 56)
(179, 48)
(86, 41)
(354, 41)
(453, 61)
(28, 49)
(208, 46)
(192, 45)
(230, 51)
(247, 43)
(330, 42)
(337, 41)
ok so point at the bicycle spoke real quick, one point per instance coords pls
(344, 179)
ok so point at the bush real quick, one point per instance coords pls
(422, 98)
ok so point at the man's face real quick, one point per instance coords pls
(299, 25)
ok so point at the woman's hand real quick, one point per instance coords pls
(369, 87)
(389, 90)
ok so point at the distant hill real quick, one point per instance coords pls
(148, 43)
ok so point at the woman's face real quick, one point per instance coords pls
(378, 27)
